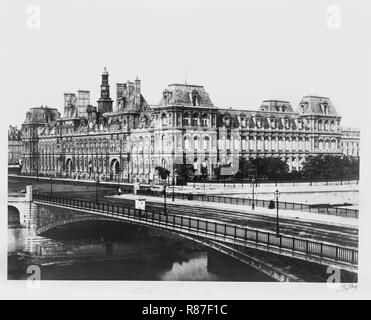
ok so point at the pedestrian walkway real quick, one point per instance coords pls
(269, 189)
(289, 214)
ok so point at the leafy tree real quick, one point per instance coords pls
(245, 167)
(217, 172)
(204, 172)
(184, 171)
(162, 172)
(330, 167)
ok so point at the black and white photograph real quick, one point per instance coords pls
(213, 143)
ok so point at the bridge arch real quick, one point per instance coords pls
(252, 261)
(14, 216)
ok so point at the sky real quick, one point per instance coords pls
(243, 52)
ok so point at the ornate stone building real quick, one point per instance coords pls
(350, 139)
(127, 139)
(14, 146)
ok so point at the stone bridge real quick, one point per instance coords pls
(251, 246)
(17, 208)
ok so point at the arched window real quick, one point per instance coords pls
(195, 119)
(251, 143)
(320, 125)
(236, 145)
(332, 126)
(244, 143)
(327, 145)
(205, 120)
(164, 119)
(320, 145)
(195, 143)
(287, 144)
(266, 144)
(294, 144)
(274, 143)
(186, 119)
(260, 143)
(326, 125)
(333, 145)
(301, 144)
(206, 143)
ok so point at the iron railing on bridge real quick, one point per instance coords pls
(240, 235)
(343, 212)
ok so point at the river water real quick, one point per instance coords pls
(117, 251)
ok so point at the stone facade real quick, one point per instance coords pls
(350, 140)
(127, 139)
(14, 146)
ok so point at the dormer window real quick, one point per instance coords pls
(194, 98)
(287, 124)
(166, 96)
(243, 122)
(273, 123)
(324, 107)
(302, 108)
(283, 109)
(226, 121)
(258, 123)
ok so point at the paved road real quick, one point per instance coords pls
(341, 235)
(345, 236)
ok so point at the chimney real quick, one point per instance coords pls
(83, 100)
(120, 88)
(137, 91)
(129, 88)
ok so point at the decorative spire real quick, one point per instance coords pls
(105, 72)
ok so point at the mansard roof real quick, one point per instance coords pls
(276, 106)
(181, 94)
(316, 105)
(14, 133)
(264, 116)
(41, 115)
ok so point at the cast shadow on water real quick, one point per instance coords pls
(116, 251)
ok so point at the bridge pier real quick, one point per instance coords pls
(33, 240)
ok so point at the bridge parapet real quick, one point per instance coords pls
(300, 248)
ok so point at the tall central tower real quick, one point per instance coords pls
(104, 102)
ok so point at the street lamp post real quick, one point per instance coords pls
(51, 186)
(165, 212)
(253, 194)
(173, 178)
(277, 195)
(96, 189)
